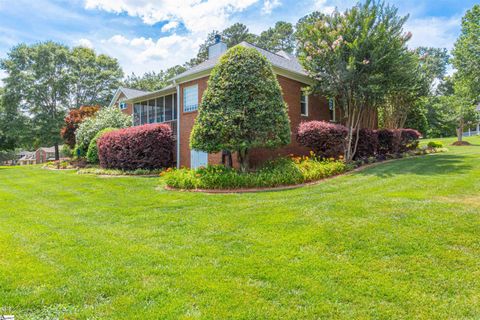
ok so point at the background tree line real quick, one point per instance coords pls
(359, 57)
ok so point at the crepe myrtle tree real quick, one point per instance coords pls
(353, 56)
(242, 107)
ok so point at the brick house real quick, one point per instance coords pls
(177, 105)
(43, 155)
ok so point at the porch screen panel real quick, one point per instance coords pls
(160, 105)
(144, 112)
(168, 107)
(137, 110)
(175, 106)
(151, 111)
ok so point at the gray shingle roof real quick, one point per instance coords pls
(49, 149)
(133, 93)
(28, 156)
(281, 59)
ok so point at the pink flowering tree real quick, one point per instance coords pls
(354, 57)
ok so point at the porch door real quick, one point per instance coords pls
(198, 159)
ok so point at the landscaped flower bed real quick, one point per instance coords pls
(281, 172)
(290, 171)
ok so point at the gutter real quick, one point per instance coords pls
(178, 123)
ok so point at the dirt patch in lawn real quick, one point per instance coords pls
(470, 200)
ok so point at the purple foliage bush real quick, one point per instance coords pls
(326, 139)
(150, 146)
(409, 139)
(329, 140)
(388, 141)
(367, 143)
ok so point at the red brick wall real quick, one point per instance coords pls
(317, 110)
(129, 109)
(187, 120)
(40, 156)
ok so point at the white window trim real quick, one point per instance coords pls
(184, 98)
(306, 105)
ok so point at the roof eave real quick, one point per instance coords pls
(300, 77)
(115, 97)
(152, 95)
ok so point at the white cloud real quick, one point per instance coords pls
(269, 5)
(117, 39)
(197, 16)
(140, 54)
(326, 6)
(170, 26)
(85, 43)
(434, 31)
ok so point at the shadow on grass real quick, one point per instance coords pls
(439, 164)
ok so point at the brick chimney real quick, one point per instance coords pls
(218, 48)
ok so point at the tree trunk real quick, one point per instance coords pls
(243, 159)
(460, 131)
(57, 152)
(227, 158)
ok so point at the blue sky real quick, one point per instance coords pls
(152, 35)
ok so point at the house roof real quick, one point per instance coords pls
(49, 149)
(129, 94)
(28, 156)
(132, 93)
(281, 59)
(150, 95)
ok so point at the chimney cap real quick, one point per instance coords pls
(218, 38)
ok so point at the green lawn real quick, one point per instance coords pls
(397, 241)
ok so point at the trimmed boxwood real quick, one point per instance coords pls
(150, 146)
(326, 140)
(92, 153)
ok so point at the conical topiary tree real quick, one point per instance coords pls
(242, 107)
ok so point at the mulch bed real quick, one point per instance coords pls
(461, 143)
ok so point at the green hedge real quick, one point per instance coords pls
(281, 172)
(92, 153)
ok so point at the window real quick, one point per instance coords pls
(304, 105)
(123, 105)
(190, 98)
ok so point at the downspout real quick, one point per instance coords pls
(178, 124)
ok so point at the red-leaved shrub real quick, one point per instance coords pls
(388, 141)
(409, 139)
(367, 143)
(143, 147)
(326, 139)
(73, 120)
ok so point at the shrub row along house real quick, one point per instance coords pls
(177, 105)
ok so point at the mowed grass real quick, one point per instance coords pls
(400, 240)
